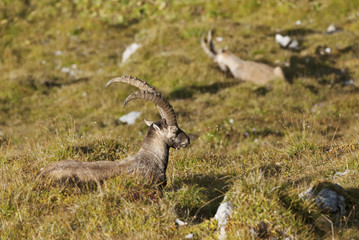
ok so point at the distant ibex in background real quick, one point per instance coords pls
(249, 71)
(150, 161)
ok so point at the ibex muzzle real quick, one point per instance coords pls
(149, 162)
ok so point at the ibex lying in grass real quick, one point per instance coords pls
(150, 161)
(258, 73)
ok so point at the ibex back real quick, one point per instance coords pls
(249, 71)
(149, 162)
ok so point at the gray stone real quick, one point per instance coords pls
(331, 200)
(327, 196)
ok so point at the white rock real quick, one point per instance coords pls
(331, 28)
(130, 118)
(129, 51)
(309, 193)
(180, 222)
(231, 121)
(286, 41)
(58, 53)
(298, 22)
(65, 70)
(294, 44)
(189, 236)
(222, 233)
(344, 173)
(328, 50)
(282, 40)
(222, 214)
(219, 39)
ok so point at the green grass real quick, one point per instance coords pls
(259, 145)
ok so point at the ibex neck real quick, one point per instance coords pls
(155, 149)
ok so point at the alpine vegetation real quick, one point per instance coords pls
(150, 162)
(248, 71)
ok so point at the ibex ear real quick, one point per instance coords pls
(148, 123)
(156, 127)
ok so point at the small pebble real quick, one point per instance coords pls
(189, 236)
(331, 28)
(219, 39)
(180, 222)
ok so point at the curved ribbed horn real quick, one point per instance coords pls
(206, 49)
(210, 42)
(210, 51)
(162, 104)
(134, 81)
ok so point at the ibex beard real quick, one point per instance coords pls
(149, 163)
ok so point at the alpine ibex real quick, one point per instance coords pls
(249, 71)
(149, 162)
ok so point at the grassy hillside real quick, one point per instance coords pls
(259, 145)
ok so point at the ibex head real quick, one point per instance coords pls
(217, 56)
(209, 50)
(167, 127)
